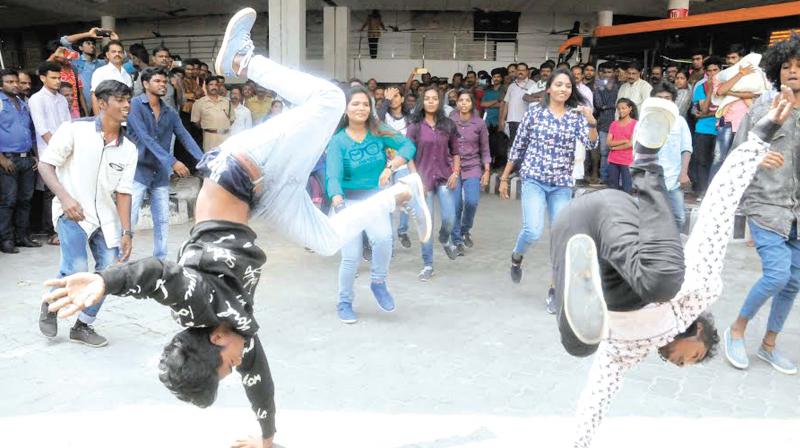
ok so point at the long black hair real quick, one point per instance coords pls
(373, 125)
(443, 123)
(574, 99)
(634, 114)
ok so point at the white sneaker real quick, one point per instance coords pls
(584, 305)
(655, 121)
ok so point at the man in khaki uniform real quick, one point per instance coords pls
(213, 114)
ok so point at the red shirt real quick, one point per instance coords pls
(68, 75)
(617, 131)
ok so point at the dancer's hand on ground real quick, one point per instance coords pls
(504, 189)
(253, 442)
(782, 106)
(74, 293)
(773, 160)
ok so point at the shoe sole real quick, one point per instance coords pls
(727, 337)
(78, 341)
(775, 366)
(516, 280)
(584, 305)
(226, 39)
(425, 279)
(421, 194)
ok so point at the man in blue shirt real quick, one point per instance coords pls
(705, 129)
(151, 125)
(17, 175)
(87, 63)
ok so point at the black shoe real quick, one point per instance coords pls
(450, 250)
(468, 240)
(85, 334)
(8, 247)
(48, 323)
(460, 249)
(516, 269)
(550, 301)
(404, 240)
(28, 242)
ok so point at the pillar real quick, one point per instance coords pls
(605, 18)
(108, 22)
(678, 8)
(342, 33)
(287, 32)
(329, 41)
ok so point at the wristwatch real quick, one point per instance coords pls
(127, 233)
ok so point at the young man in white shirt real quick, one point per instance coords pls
(244, 119)
(115, 54)
(49, 110)
(89, 165)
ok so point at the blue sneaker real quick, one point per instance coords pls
(346, 313)
(382, 296)
(236, 41)
(777, 361)
(417, 207)
(735, 352)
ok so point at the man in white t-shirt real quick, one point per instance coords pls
(244, 119)
(90, 166)
(115, 54)
(515, 103)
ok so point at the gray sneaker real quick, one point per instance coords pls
(735, 352)
(48, 322)
(425, 274)
(777, 361)
(85, 334)
(584, 304)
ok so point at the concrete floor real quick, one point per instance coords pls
(467, 360)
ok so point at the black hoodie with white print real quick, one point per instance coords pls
(213, 282)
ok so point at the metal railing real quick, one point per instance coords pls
(452, 44)
(199, 46)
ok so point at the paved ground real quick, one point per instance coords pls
(467, 360)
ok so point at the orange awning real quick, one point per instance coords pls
(576, 41)
(713, 18)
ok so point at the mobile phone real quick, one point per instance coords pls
(421, 70)
(103, 33)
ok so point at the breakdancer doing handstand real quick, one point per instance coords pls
(625, 285)
(260, 173)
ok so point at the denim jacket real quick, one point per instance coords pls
(773, 198)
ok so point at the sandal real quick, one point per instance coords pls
(53, 240)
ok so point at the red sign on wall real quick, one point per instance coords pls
(680, 12)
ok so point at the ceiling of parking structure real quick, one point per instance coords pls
(21, 13)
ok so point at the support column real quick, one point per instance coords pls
(678, 8)
(108, 22)
(287, 32)
(329, 41)
(342, 32)
(605, 18)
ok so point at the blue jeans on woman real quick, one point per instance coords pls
(619, 177)
(159, 210)
(447, 209)
(723, 144)
(379, 232)
(466, 195)
(74, 258)
(536, 197)
(780, 266)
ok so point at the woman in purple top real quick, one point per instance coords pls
(473, 146)
(439, 165)
(545, 147)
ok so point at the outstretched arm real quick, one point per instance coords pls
(612, 360)
(258, 386)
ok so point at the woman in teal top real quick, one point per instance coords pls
(356, 169)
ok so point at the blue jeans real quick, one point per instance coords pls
(159, 209)
(619, 177)
(678, 207)
(379, 232)
(602, 138)
(780, 266)
(74, 257)
(466, 196)
(723, 144)
(447, 209)
(535, 198)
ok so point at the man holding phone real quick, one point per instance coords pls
(86, 62)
